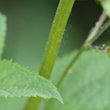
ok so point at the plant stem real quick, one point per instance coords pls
(101, 31)
(94, 35)
(55, 37)
(54, 41)
(68, 69)
(33, 103)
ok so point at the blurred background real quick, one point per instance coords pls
(29, 22)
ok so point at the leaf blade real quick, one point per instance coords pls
(19, 81)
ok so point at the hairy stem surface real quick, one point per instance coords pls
(55, 36)
(54, 41)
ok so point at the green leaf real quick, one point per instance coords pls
(2, 32)
(87, 87)
(106, 6)
(19, 81)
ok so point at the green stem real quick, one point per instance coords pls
(71, 64)
(33, 103)
(55, 37)
(54, 41)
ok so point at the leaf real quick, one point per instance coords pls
(2, 32)
(106, 6)
(87, 87)
(19, 81)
